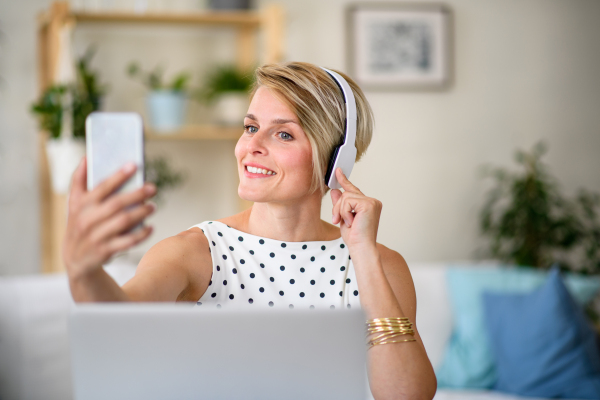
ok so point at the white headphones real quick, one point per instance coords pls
(343, 155)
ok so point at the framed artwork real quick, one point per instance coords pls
(399, 46)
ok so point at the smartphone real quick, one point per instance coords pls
(112, 140)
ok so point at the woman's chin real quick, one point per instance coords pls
(251, 195)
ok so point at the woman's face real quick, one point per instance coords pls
(273, 141)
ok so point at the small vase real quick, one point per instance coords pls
(64, 155)
(166, 109)
(231, 108)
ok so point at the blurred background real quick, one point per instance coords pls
(522, 71)
(487, 130)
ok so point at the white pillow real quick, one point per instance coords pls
(434, 315)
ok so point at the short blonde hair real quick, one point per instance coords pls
(316, 99)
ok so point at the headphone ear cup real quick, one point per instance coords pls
(332, 160)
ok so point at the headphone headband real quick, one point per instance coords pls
(344, 155)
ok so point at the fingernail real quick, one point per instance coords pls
(346, 222)
(150, 189)
(129, 167)
(153, 205)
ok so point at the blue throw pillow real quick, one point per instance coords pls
(468, 360)
(542, 343)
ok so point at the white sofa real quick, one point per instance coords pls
(34, 345)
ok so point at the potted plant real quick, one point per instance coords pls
(61, 111)
(226, 89)
(158, 171)
(529, 222)
(166, 102)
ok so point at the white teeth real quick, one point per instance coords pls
(255, 170)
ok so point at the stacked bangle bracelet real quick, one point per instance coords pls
(389, 328)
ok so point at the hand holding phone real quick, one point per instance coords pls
(107, 199)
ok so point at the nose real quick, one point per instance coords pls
(257, 143)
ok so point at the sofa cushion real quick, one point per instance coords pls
(468, 361)
(434, 315)
(542, 343)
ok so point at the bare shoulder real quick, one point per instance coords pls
(176, 268)
(398, 275)
(392, 261)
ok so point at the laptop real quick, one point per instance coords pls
(173, 351)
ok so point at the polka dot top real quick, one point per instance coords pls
(251, 271)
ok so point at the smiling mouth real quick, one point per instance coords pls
(255, 170)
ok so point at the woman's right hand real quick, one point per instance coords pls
(98, 220)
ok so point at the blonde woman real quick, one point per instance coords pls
(278, 253)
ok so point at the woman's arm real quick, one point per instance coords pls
(97, 228)
(178, 268)
(396, 370)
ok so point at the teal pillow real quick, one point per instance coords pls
(468, 360)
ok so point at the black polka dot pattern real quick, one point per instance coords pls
(255, 272)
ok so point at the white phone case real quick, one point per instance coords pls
(112, 140)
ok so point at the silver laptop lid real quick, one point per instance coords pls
(171, 351)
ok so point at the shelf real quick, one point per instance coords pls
(197, 132)
(236, 18)
(242, 19)
(266, 24)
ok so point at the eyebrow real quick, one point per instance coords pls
(276, 121)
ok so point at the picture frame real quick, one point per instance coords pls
(399, 46)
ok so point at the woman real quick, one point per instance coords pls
(278, 252)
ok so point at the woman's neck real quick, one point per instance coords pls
(298, 222)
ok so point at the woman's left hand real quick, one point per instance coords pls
(357, 214)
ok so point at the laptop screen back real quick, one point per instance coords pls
(172, 351)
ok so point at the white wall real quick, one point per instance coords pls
(525, 71)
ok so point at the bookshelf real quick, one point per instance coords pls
(247, 26)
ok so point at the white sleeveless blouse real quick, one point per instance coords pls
(251, 271)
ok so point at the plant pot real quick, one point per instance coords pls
(231, 108)
(64, 155)
(166, 109)
(229, 4)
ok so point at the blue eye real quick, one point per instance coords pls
(289, 137)
(250, 128)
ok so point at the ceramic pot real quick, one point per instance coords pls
(166, 109)
(231, 108)
(64, 155)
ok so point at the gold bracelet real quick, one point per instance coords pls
(389, 328)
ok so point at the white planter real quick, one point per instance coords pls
(231, 108)
(64, 155)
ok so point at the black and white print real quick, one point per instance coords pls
(399, 46)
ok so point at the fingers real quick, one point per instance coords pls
(121, 222)
(117, 203)
(124, 242)
(335, 197)
(112, 183)
(346, 184)
(79, 181)
(344, 207)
